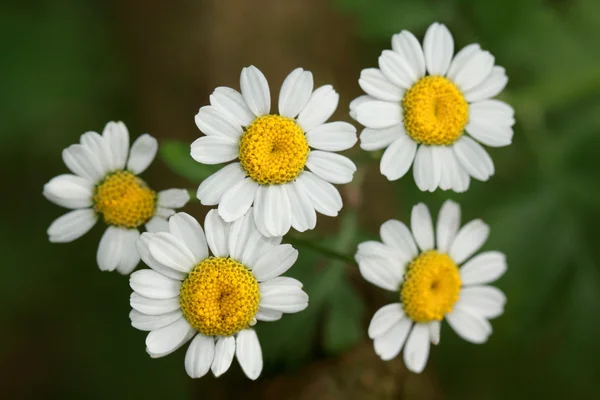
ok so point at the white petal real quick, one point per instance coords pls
(438, 47)
(483, 301)
(483, 268)
(69, 191)
(153, 285)
(173, 198)
(427, 170)
(321, 105)
(255, 90)
(389, 344)
(468, 240)
(463, 56)
(241, 232)
(143, 244)
(286, 299)
(324, 196)
(81, 161)
(331, 167)
(98, 146)
(157, 224)
(224, 352)
(217, 233)
(474, 71)
(304, 216)
(163, 212)
(490, 87)
(117, 138)
(453, 175)
(214, 149)
(142, 153)
(145, 322)
(407, 45)
(248, 353)
(448, 223)
(358, 101)
(109, 249)
(295, 92)
(268, 315)
(72, 225)
(434, 331)
(490, 122)
(237, 200)
(129, 257)
(416, 351)
(232, 104)
(471, 328)
(211, 189)
(213, 122)
(384, 319)
(374, 83)
(422, 227)
(379, 272)
(172, 252)
(377, 139)
(396, 235)
(166, 340)
(278, 212)
(397, 69)
(333, 136)
(150, 306)
(199, 356)
(378, 114)
(188, 230)
(398, 158)
(275, 262)
(281, 281)
(474, 158)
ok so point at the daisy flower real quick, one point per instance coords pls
(429, 283)
(272, 152)
(104, 184)
(214, 299)
(419, 103)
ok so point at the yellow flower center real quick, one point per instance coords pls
(124, 200)
(435, 111)
(430, 288)
(273, 150)
(219, 297)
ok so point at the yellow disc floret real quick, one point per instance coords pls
(219, 297)
(273, 150)
(430, 288)
(435, 111)
(124, 200)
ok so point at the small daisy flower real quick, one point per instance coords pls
(212, 300)
(104, 184)
(419, 103)
(273, 151)
(430, 285)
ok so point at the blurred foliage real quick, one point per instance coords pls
(65, 70)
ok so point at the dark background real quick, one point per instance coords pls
(70, 66)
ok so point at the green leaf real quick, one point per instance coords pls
(176, 155)
(343, 319)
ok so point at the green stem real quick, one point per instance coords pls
(326, 251)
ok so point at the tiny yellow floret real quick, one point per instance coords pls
(124, 200)
(435, 111)
(219, 297)
(273, 150)
(431, 287)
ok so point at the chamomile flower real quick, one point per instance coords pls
(272, 152)
(429, 283)
(422, 100)
(104, 185)
(212, 300)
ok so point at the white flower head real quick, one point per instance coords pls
(421, 100)
(272, 152)
(423, 268)
(212, 300)
(104, 184)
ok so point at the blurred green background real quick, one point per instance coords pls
(70, 66)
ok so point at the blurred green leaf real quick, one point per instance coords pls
(343, 319)
(177, 157)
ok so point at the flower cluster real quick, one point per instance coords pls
(210, 284)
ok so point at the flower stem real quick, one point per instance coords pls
(326, 251)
